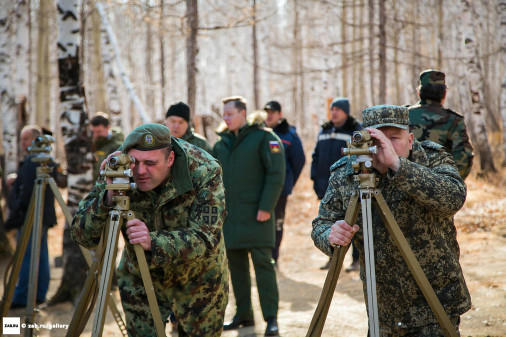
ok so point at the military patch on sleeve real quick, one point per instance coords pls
(274, 146)
(210, 214)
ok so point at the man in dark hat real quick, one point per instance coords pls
(429, 120)
(294, 160)
(179, 206)
(177, 119)
(331, 139)
(422, 187)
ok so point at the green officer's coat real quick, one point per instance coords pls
(254, 173)
(423, 196)
(194, 138)
(102, 147)
(185, 218)
(430, 121)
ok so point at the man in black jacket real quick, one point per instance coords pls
(331, 139)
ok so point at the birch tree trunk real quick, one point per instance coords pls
(501, 9)
(254, 46)
(192, 17)
(382, 53)
(475, 83)
(74, 127)
(7, 95)
(371, 10)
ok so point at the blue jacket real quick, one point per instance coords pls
(331, 140)
(294, 154)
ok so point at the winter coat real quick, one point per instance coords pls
(21, 194)
(184, 217)
(330, 141)
(294, 154)
(254, 173)
(423, 196)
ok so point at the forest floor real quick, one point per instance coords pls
(481, 226)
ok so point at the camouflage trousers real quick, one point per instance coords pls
(198, 313)
(429, 330)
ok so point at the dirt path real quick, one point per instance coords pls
(482, 236)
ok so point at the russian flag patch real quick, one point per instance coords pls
(274, 146)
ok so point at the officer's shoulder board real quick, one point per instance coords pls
(454, 113)
(428, 144)
(340, 163)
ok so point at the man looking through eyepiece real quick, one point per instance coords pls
(179, 206)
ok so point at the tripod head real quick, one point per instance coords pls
(41, 147)
(361, 146)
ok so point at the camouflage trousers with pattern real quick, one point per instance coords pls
(198, 313)
(429, 330)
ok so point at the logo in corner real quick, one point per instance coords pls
(11, 326)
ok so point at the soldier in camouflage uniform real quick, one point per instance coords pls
(431, 121)
(423, 189)
(179, 206)
(105, 140)
(177, 119)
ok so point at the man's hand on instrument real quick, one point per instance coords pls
(138, 232)
(341, 233)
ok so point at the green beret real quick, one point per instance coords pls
(147, 137)
(385, 115)
(432, 76)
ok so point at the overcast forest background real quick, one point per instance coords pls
(61, 61)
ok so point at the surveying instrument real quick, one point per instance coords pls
(98, 282)
(42, 149)
(361, 146)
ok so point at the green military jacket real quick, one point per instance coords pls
(102, 147)
(194, 138)
(254, 173)
(430, 121)
(423, 196)
(185, 218)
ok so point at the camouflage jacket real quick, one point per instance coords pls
(194, 138)
(430, 121)
(423, 196)
(102, 147)
(185, 218)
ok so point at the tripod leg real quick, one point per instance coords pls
(414, 267)
(370, 269)
(40, 188)
(17, 259)
(108, 260)
(87, 255)
(336, 264)
(148, 285)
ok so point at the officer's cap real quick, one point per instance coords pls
(385, 115)
(432, 76)
(147, 137)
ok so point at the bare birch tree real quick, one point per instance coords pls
(74, 125)
(501, 9)
(475, 83)
(192, 18)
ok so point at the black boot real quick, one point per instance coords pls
(237, 323)
(272, 327)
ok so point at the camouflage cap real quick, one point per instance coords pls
(432, 76)
(147, 137)
(385, 115)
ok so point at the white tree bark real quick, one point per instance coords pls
(475, 83)
(501, 9)
(126, 81)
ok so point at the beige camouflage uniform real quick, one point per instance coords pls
(187, 259)
(423, 196)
